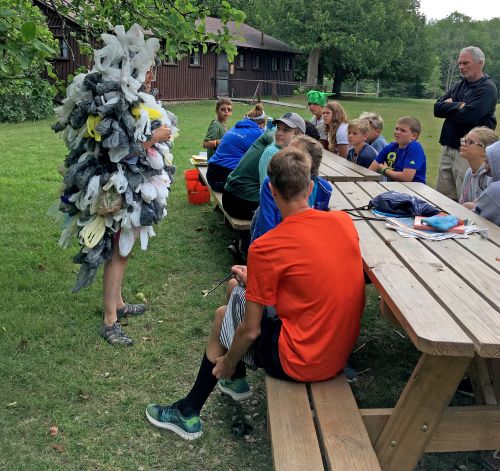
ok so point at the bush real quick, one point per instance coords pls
(25, 100)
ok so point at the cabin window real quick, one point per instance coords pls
(170, 61)
(256, 63)
(195, 59)
(240, 61)
(63, 49)
(287, 64)
(276, 63)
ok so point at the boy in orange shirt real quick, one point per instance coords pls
(318, 296)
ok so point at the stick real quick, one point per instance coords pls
(206, 293)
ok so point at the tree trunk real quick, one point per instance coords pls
(312, 66)
(337, 81)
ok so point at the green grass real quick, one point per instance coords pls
(56, 370)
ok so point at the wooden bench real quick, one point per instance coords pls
(317, 426)
(236, 224)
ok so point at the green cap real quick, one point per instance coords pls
(314, 96)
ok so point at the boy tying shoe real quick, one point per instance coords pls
(404, 159)
(360, 152)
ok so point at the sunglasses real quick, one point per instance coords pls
(225, 109)
(469, 142)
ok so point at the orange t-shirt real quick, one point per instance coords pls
(310, 267)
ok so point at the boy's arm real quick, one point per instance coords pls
(413, 159)
(380, 160)
(212, 139)
(406, 175)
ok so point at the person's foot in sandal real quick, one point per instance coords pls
(130, 310)
(114, 335)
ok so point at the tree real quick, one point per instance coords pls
(359, 38)
(180, 23)
(25, 41)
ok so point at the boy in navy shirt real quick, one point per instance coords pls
(404, 159)
(360, 152)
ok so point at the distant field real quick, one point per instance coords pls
(56, 370)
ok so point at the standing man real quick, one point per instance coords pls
(469, 103)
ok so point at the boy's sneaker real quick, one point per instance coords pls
(114, 335)
(238, 389)
(170, 418)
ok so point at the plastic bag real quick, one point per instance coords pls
(108, 202)
(401, 204)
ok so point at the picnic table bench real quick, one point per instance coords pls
(236, 224)
(445, 296)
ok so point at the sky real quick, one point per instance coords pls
(476, 9)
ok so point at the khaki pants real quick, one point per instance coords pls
(451, 173)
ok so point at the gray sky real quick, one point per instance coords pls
(476, 9)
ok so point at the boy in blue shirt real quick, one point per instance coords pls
(404, 159)
(360, 152)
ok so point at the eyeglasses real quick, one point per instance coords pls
(225, 109)
(468, 142)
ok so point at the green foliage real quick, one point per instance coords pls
(25, 100)
(25, 40)
(180, 23)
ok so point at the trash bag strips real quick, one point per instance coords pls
(113, 188)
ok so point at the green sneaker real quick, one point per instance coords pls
(238, 389)
(170, 418)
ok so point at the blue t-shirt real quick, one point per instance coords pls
(268, 215)
(235, 143)
(412, 156)
(365, 157)
(379, 143)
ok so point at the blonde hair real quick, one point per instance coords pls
(375, 120)
(362, 125)
(339, 116)
(485, 136)
(312, 147)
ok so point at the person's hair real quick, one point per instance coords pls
(475, 52)
(311, 147)
(339, 116)
(412, 123)
(257, 114)
(290, 173)
(222, 101)
(375, 120)
(312, 130)
(362, 125)
(485, 136)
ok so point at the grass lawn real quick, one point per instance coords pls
(56, 370)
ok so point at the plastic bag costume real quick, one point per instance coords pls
(114, 189)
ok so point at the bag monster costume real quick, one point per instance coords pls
(114, 189)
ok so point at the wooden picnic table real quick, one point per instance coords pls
(335, 168)
(446, 297)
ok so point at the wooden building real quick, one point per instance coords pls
(261, 58)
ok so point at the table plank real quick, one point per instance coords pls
(329, 157)
(462, 283)
(424, 319)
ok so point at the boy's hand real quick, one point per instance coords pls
(222, 368)
(161, 134)
(240, 271)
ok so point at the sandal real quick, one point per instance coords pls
(130, 310)
(114, 335)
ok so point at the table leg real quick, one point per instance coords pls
(423, 400)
